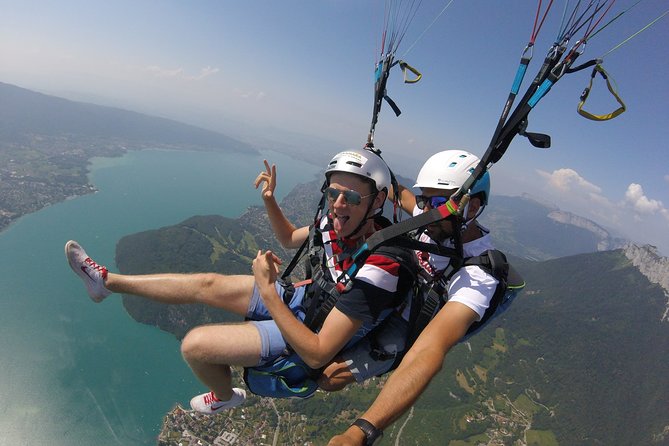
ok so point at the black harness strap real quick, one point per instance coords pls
(432, 293)
(495, 263)
(320, 307)
(432, 248)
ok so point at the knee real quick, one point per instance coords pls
(330, 384)
(335, 377)
(207, 284)
(193, 346)
(208, 280)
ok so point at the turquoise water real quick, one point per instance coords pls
(73, 372)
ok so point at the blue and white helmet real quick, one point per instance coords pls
(450, 169)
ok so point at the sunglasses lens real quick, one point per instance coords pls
(435, 202)
(421, 201)
(351, 197)
(331, 194)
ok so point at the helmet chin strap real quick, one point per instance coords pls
(466, 222)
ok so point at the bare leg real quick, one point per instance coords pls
(232, 293)
(209, 350)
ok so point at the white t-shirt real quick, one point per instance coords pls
(470, 285)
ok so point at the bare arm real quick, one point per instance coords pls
(286, 233)
(407, 198)
(315, 349)
(419, 366)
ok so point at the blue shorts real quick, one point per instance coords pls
(272, 343)
(390, 336)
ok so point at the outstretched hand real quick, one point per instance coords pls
(268, 181)
(266, 269)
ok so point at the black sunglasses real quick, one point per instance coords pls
(434, 202)
(351, 197)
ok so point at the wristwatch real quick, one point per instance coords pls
(371, 433)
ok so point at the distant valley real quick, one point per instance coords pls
(46, 144)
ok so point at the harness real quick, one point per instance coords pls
(288, 376)
(323, 292)
(430, 296)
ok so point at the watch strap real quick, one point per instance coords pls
(371, 432)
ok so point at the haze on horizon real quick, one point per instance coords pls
(302, 75)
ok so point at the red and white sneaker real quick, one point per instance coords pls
(207, 403)
(91, 273)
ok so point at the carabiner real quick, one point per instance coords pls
(529, 48)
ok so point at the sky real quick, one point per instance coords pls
(302, 73)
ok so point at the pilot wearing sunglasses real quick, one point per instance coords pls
(469, 290)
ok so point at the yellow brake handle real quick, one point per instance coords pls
(405, 68)
(584, 96)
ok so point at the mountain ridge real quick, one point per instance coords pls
(25, 112)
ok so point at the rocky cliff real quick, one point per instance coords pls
(651, 265)
(606, 240)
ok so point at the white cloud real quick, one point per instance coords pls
(574, 193)
(634, 213)
(179, 73)
(643, 205)
(250, 94)
(204, 72)
(568, 180)
(162, 72)
(580, 193)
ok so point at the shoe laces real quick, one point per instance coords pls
(210, 399)
(100, 268)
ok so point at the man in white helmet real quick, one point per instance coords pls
(357, 184)
(468, 293)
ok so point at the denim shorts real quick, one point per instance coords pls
(272, 342)
(390, 337)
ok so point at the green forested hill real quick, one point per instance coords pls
(577, 360)
(199, 244)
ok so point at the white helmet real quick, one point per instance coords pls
(450, 169)
(364, 163)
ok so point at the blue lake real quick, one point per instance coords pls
(73, 372)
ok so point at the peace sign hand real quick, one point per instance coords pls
(268, 181)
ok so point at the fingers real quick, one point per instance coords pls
(262, 176)
(268, 176)
(276, 259)
(271, 257)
